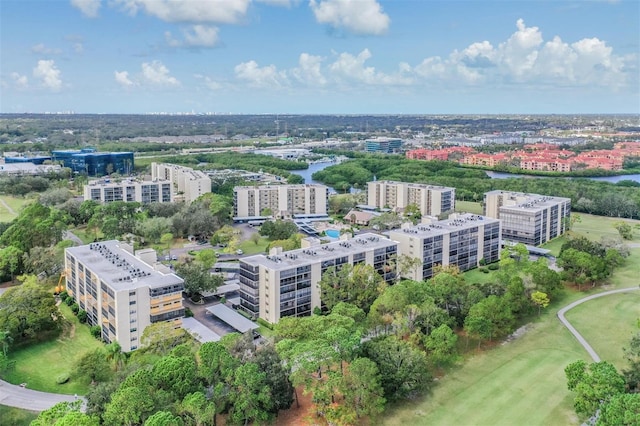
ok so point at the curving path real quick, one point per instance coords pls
(28, 399)
(572, 329)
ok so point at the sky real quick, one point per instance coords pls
(320, 56)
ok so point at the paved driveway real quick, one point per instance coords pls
(27, 399)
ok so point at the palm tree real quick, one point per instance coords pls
(115, 355)
(5, 341)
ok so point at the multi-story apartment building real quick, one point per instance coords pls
(281, 201)
(106, 191)
(188, 184)
(121, 292)
(431, 200)
(286, 283)
(462, 240)
(383, 145)
(528, 218)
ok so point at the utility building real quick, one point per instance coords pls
(528, 218)
(122, 293)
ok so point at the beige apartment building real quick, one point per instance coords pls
(462, 240)
(122, 292)
(107, 191)
(286, 283)
(280, 201)
(188, 184)
(431, 200)
(528, 218)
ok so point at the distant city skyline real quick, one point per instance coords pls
(320, 56)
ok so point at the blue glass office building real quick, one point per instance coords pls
(92, 163)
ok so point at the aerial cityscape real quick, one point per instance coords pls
(333, 212)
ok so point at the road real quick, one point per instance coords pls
(27, 399)
(572, 329)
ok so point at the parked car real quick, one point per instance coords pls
(239, 251)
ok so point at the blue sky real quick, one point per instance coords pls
(320, 56)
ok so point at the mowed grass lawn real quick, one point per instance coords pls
(39, 365)
(10, 416)
(522, 382)
(14, 204)
(468, 207)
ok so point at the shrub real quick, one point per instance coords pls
(484, 270)
(69, 301)
(75, 308)
(82, 315)
(482, 262)
(494, 267)
(96, 331)
(62, 378)
(188, 313)
(265, 323)
(64, 295)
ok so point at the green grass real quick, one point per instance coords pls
(468, 207)
(596, 227)
(612, 328)
(249, 247)
(40, 364)
(522, 382)
(15, 203)
(476, 276)
(15, 416)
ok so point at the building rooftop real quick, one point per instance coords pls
(442, 227)
(291, 186)
(413, 184)
(523, 201)
(120, 269)
(317, 253)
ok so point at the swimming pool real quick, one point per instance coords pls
(333, 233)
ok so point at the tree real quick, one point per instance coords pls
(594, 385)
(622, 410)
(176, 375)
(200, 410)
(65, 414)
(47, 260)
(93, 365)
(198, 277)
(624, 229)
(362, 391)
(540, 299)
(255, 238)
(385, 221)
(10, 261)
(277, 377)
(129, 406)
(489, 318)
(441, 344)
(251, 398)
(154, 228)
(215, 363)
(28, 310)
(207, 258)
(632, 371)
(223, 235)
(115, 355)
(163, 418)
(403, 368)
(36, 225)
(279, 229)
(162, 337)
(359, 285)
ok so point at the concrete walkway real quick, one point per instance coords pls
(27, 399)
(572, 329)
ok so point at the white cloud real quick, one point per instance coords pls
(88, 7)
(41, 49)
(260, 77)
(309, 71)
(195, 36)
(209, 82)
(122, 78)
(157, 74)
(21, 81)
(78, 48)
(364, 17)
(49, 75)
(219, 11)
(281, 3)
(350, 68)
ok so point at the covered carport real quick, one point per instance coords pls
(232, 318)
(201, 332)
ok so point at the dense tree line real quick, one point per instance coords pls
(588, 196)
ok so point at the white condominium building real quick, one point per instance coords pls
(120, 292)
(528, 218)
(188, 184)
(462, 240)
(286, 283)
(431, 200)
(279, 201)
(107, 191)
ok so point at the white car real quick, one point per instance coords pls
(239, 251)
